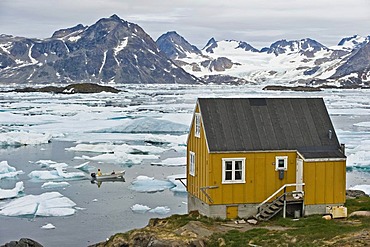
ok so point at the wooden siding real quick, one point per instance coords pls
(199, 147)
(261, 178)
(325, 182)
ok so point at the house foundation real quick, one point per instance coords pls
(220, 211)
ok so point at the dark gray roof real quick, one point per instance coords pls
(261, 124)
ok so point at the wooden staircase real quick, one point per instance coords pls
(267, 211)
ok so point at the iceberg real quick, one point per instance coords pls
(120, 158)
(23, 138)
(148, 125)
(116, 149)
(48, 226)
(85, 167)
(11, 193)
(160, 210)
(179, 187)
(46, 204)
(150, 185)
(45, 163)
(138, 208)
(44, 175)
(57, 174)
(52, 185)
(178, 161)
(7, 171)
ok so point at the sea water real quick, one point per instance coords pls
(141, 130)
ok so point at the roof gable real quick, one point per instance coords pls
(258, 124)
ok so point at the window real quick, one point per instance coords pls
(233, 170)
(197, 125)
(281, 163)
(192, 163)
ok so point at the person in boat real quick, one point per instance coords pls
(99, 173)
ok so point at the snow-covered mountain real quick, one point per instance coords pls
(304, 61)
(116, 51)
(111, 50)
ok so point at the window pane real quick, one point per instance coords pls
(238, 165)
(238, 175)
(281, 163)
(229, 165)
(228, 175)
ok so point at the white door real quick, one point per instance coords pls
(299, 175)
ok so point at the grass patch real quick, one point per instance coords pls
(358, 204)
(308, 231)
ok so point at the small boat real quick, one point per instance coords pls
(108, 176)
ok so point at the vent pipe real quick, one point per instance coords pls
(330, 134)
(343, 148)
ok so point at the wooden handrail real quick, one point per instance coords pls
(276, 192)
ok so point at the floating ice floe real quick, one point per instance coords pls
(56, 174)
(178, 161)
(45, 163)
(46, 204)
(166, 139)
(148, 125)
(113, 148)
(11, 193)
(7, 171)
(53, 185)
(160, 210)
(179, 187)
(120, 158)
(48, 226)
(149, 184)
(51, 164)
(23, 138)
(360, 155)
(138, 208)
(85, 167)
(363, 187)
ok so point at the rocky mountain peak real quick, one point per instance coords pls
(211, 44)
(353, 42)
(307, 46)
(65, 32)
(175, 46)
(111, 50)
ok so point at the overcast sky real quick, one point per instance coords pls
(258, 22)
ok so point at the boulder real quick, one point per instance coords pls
(23, 242)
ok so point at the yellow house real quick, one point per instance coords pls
(261, 156)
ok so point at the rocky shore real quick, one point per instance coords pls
(310, 88)
(70, 89)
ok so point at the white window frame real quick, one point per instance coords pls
(279, 158)
(233, 170)
(197, 125)
(191, 163)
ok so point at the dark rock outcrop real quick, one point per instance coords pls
(70, 89)
(224, 79)
(23, 242)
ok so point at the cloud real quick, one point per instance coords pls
(259, 22)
